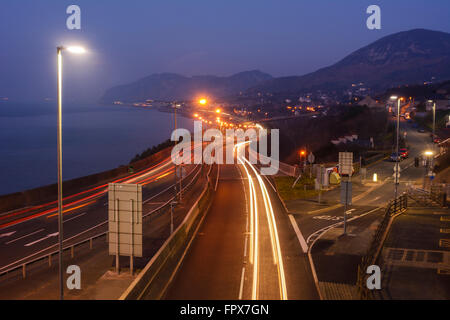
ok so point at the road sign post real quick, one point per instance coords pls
(346, 171)
(125, 221)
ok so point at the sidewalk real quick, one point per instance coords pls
(416, 256)
(336, 256)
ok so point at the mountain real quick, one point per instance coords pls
(402, 58)
(170, 86)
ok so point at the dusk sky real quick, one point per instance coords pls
(131, 39)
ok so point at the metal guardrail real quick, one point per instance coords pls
(394, 208)
(152, 282)
(437, 195)
(43, 255)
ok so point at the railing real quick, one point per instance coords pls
(153, 281)
(394, 208)
(437, 195)
(48, 253)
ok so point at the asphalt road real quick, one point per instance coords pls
(36, 230)
(245, 248)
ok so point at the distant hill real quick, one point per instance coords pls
(170, 86)
(401, 58)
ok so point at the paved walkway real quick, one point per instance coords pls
(416, 255)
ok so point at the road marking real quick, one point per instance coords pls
(42, 239)
(245, 247)
(300, 237)
(241, 288)
(82, 214)
(8, 234)
(27, 235)
(217, 179)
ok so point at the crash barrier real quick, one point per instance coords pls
(153, 280)
(394, 208)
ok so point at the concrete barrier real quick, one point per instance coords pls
(153, 280)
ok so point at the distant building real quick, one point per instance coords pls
(370, 102)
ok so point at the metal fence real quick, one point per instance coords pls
(394, 208)
(21, 266)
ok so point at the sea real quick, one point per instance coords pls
(95, 138)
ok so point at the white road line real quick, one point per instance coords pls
(217, 180)
(42, 239)
(27, 235)
(8, 234)
(300, 237)
(245, 246)
(81, 214)
(241, 288)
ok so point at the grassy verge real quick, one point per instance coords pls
(284, 186)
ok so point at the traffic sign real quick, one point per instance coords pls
(311, 158)
(346, 163)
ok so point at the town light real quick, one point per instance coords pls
(428, 153)
(78, 50)
(218, 110)
(202, 101)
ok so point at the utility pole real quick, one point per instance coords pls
(175, 172)
(397, 157)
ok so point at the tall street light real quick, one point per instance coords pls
(397, 158)
(434, 116)
(59, 50)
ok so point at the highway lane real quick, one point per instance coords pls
(212, 269)
(40, 232)
(246, 247)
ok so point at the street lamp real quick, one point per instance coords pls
(434, 116)
(397, 154)
(76, 50)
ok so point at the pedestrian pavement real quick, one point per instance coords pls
(416, 255)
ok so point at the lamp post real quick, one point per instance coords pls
(396, 151)
(59, 50)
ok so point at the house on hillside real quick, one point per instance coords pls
(370, 102)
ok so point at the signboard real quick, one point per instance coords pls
(125, 219)
(346, 163)
(346, 192)
(311, 158)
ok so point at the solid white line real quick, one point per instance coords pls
(217, 180)
(270, 183)
(300, 237)
(30, 234)
(245, 246)
(241, 289)
(42, 239)
(82, 214)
